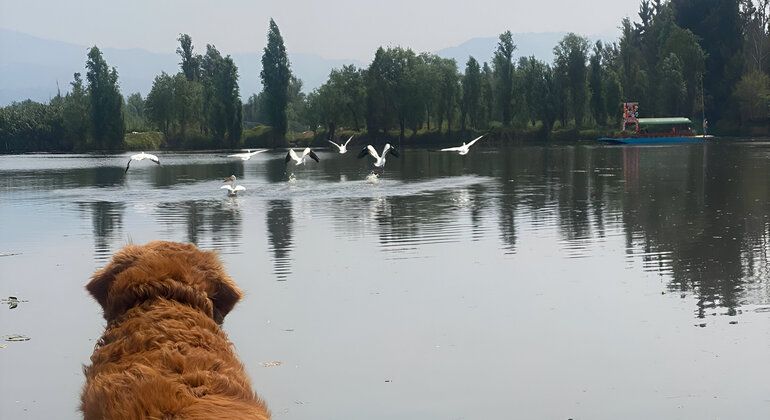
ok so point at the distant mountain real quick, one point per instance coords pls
(527, 44)
(538, 44)
(31, 67)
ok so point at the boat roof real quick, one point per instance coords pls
(664, 121)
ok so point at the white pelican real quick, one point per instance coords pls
(379, 161)
(343, 147)
(464, 149)
(233, 191)
(142, 156)
(247, 154)
(300, 160)
(372, 178)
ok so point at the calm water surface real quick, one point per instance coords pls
(556, 282)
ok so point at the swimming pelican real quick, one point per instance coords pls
(232, 191)
(300, 160)
(142, 156)
(342, 147)
(247, 155)
(379, 161)
(464, 149)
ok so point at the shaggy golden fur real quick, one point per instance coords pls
(163, 354)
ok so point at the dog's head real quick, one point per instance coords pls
(169, 270)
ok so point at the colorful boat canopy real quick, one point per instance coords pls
(658, 122)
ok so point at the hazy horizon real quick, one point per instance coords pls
(338, 29)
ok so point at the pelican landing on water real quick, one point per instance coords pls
(233, 191)
(247, 154)
(300, 160)
(142, 156)
(343, 147)
(379, 161)
(465, 148)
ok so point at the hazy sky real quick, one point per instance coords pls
(331, 28)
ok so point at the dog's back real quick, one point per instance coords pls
(163, 354)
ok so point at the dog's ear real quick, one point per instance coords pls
(100, 283)
(226, 295)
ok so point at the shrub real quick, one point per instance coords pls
(148, 140)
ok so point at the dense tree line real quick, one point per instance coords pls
(681, 58)
(200, 106)
(88, 117)
(677, 58)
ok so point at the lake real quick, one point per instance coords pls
(544, 282)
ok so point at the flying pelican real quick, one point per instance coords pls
(142, 156)
(379, 160)
(300, 160)
(343, 147)
(464, 149)
(247, 155)
(233, 191)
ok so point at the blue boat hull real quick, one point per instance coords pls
(652, 140)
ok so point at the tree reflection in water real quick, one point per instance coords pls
(280, 230)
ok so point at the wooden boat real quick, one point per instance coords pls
(653, 130)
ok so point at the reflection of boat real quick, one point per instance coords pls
(653, 130)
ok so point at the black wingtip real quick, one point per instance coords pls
(313, 156)
(129, 164)
(394, 151)
(288, 157)
(363, 153)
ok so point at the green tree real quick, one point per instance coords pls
(75, 115)
(134, 113)
(611, 85)
(571, 55)
(350, 83)
(503, 69)
(684, 44)
(535, 90)
(160, 103)
(222, 107)
(191, 63)
(341, 100)
(632, 75)
(449, 90)
(107, 127)
(753, 96)
(487, 95)
(186, 105)
(393, 94)
(756, 33)
(470, 108)
(672, 90)
(717, 24)
(275, 79)
(596, 83)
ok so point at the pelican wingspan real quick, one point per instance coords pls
(475, 140)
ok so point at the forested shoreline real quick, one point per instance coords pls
(679, 58)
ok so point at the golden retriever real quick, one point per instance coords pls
(163, 354)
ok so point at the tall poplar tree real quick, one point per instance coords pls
(191, 63)
(275, 79)
(107, 127)
(471, 99)
(503, 66)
